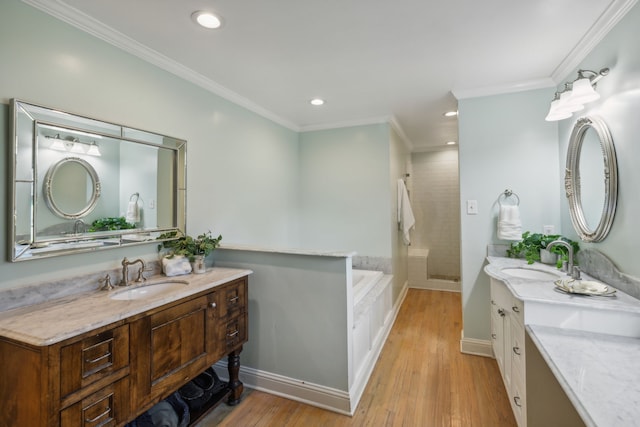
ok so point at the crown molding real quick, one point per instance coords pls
(503, 88)
(346, 124)
(616, 10)
(403, 136)
(62, 11)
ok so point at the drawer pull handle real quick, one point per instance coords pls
(234, 299)
(93, 420)
(233, 334)
(501, 312)
(516, 350)
(213, 305)
(97, 359)
(516, 400)
(515, 309)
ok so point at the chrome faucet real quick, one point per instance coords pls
(570, 269)
(125, 271)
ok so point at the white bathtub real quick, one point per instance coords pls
(372, 320)
(363, 281)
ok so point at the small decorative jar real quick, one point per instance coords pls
(198, 264)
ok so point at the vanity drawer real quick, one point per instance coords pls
(517, 308)
(106, 407)
(235, 333)
(93, 358)
(517, 349)
(233, 299)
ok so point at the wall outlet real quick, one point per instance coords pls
(472, 207)
(152, 204)
(548, 229)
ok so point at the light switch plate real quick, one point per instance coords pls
(472, 207)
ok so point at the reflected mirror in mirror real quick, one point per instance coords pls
(71, 188)
(591, 179)
(82, 184)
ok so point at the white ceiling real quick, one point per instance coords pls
(372, 60)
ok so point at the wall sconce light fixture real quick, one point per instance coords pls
(74, 145)
(575, 94)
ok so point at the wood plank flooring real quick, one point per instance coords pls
(421, 379)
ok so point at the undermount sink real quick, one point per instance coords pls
(149, 290)
(530, 273)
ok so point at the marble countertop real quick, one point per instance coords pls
(545, 291)
(56, 320)
(599, 373)
(291, 251)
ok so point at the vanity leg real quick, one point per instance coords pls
(235, 385)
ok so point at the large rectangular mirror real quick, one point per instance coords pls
(81, 184)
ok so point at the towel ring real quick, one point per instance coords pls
(507, 195)
(136, 195)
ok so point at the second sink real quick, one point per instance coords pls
(149, 290)
(530, 273)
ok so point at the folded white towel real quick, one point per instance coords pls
(405, 214)
(509, 224)
(133, 212)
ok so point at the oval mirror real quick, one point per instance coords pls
(71, 188)
(591, 179)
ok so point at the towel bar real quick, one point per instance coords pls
(506, 195)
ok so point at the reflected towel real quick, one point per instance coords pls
(509, 224)
(133, 212)
(405, 214)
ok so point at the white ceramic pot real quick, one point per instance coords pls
(547, 257)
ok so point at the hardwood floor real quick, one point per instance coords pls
(420, 379)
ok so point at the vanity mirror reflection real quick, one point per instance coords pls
(80, 184)
(591, 179)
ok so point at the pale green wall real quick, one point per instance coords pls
(241, 181)
(619, 106)
(504, 143)
(399, 162)
(344, 191)
(250, 179)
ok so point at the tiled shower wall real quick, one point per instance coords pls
(435, 200)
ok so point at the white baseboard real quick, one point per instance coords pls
(301, 391)
(320, 396)
(437, 285)
(360, 383)
(476, 347)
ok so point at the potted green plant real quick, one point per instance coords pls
(194, 249)
(532, 243)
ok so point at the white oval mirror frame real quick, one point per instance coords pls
(572, 180)
(80, 207)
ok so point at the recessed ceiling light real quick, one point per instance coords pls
(451, 143)
(451, 114)
(317, 102)
(206, 19)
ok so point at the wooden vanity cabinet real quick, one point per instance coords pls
(82, 381)
(174, 345)
(109, 376)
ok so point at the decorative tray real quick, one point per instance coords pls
(584, 287)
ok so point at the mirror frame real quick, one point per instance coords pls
(48, 184)
(23, 167)
(572, 179)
